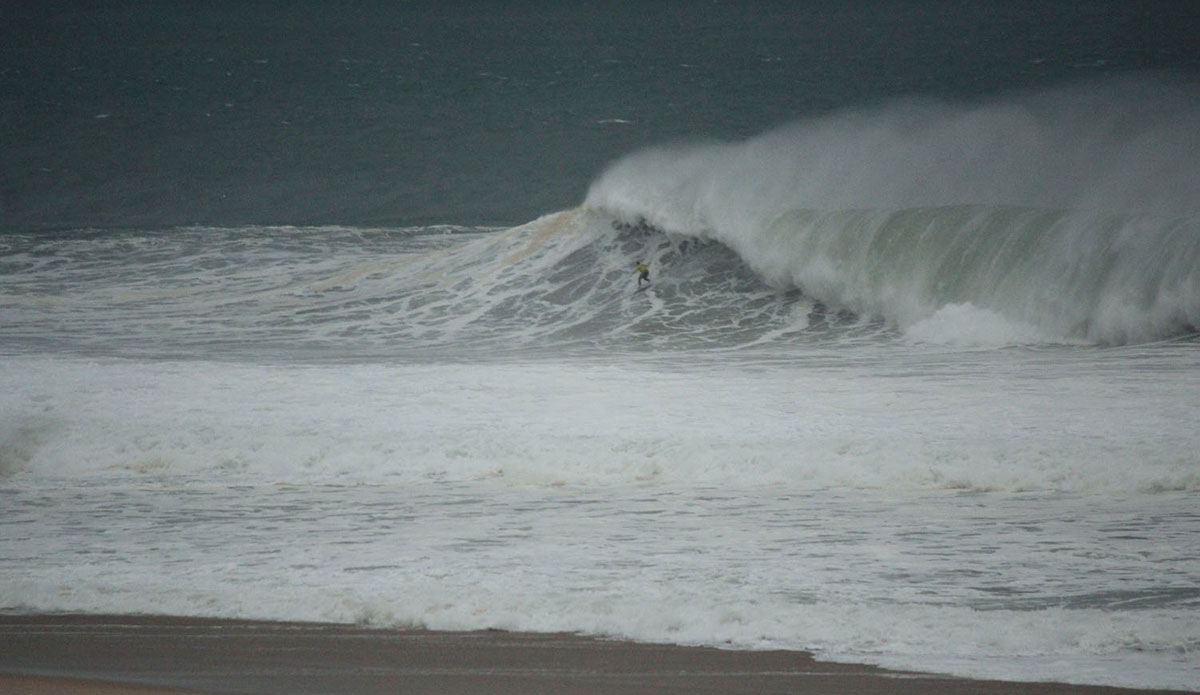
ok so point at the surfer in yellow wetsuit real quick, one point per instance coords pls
(645, 273)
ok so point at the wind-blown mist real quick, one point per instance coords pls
(1070, 215)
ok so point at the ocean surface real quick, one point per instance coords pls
(317, 312)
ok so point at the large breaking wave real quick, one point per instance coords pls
(1070, 215)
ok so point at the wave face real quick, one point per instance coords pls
(1064, 216)
(562, 283)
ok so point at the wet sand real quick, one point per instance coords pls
(136, 655)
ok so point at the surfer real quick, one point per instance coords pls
(645, 273)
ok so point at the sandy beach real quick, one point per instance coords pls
(119, 655)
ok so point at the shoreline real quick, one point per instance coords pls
(131, 655)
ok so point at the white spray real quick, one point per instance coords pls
(1072, 214)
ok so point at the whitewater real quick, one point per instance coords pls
(1071, 213)
(914, 385)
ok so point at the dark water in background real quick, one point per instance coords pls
(156, 114)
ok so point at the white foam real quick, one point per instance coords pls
(979, 511)
(572, 423)
(1036, 207)
(866, 577)
(968, 326)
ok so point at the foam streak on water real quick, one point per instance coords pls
(929, 421)
(979, 516)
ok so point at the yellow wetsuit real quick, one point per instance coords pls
(645, 272)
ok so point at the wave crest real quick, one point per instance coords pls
(1073, 212)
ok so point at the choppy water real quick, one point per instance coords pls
(467, 429)
(916, 382)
